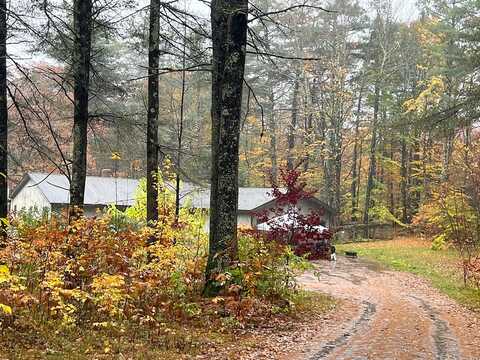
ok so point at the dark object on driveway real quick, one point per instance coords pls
(333, 253)
(351, 254)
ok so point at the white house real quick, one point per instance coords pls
(252, 201)
(50, 192)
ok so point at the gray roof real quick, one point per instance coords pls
(121, 191)
(248, 198)
(98, 190)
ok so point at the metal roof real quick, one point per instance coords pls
(121, 191)
(248, 198)
(98, 190)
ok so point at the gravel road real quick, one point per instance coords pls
(388, 315)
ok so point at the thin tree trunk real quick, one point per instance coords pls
(353, 189)
(293, 125)
(372, 170)
(308, 141)
(272, 121)
(416, 198)
(229, 38)
(403, 181)
(180, 137)
(273, 130)
(390, 182)
(3, 118)
(152, 114)
(337, 167)
(359, 172)
(308, 122)
(82, 10)
(447, 154)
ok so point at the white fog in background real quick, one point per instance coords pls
(403, 10)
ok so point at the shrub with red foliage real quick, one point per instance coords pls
(287, 223)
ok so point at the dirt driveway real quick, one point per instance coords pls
(388, 315)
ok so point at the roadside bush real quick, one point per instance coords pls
(452, 220)
(96, 273)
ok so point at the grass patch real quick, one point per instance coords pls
(441, 267)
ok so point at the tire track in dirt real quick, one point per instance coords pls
(367, 313)
(400, 317)
(446, 346)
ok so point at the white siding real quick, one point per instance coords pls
(306, 207)
(29, 197)
(243, 219)
(206, 224)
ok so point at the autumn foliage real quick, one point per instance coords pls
(452, 216)
(100, 274)
(289, 224)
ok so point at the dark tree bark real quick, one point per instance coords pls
(229, 38)
(391, 194)
(82, 18)
(292, 128)
(372, 169)
(416, 171)
(152, 115)
(3, 116)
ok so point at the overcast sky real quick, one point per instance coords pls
(404, 10)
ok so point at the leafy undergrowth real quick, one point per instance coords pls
(208, 337)
(410, 254)
(98, 288)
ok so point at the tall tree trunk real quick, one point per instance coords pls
(180, 135)
(391, 194)
(372, 169)
(415, 175)
(447, 153)
(403, 180)
(337, 202)
(82, 17)
(359, 172)
(272, 121)
(229, 39)
(353, 189)
(308, 141)
(3, 117)
(308, 122)
(293, 125)
(152, 114)
(272, 127)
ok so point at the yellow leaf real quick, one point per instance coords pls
(217, 300)
(116, 156)
(7, 310)
(4, 274)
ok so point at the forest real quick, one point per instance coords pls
(369, 105)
